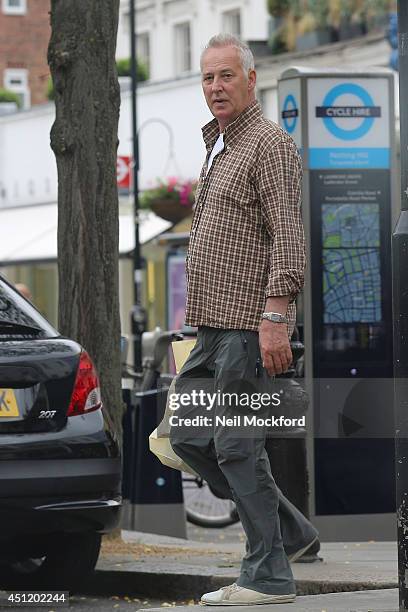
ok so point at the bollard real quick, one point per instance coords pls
(155, 491)
(400, 295)
(287, 457)
(127, 442)
(400, 315)
(287, 449)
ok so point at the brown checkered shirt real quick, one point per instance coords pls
(247, 240)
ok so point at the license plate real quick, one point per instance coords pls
(8, 404)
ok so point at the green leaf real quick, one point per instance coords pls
(9, 96)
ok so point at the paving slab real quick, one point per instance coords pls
(174, 566)
(359, 601)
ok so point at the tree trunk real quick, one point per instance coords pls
(84, 137)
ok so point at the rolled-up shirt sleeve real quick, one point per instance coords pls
(279, 182)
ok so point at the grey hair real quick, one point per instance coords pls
(228, 40)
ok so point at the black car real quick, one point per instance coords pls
(60, 467)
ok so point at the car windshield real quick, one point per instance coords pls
(19, 318)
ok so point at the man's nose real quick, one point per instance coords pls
(216, 84)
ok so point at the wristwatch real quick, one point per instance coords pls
(275, 317)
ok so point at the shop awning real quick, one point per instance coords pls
(28, 234)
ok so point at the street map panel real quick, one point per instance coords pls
(351, 263)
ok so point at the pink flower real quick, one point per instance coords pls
(184, 194)
(171, 183)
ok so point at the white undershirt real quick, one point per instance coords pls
(218, 147)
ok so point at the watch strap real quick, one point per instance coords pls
(274, 317)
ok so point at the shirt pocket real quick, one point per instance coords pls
(239, 190)
(227, 196)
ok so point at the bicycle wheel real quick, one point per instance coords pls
(203, 508)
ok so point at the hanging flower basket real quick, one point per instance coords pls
(170, 210)
(171, 200)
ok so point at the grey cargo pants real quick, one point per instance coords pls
(232, 458)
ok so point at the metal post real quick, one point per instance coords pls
(138, 317)
(400, 304)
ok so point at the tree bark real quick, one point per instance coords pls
(84, 137)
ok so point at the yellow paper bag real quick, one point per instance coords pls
(181, 351)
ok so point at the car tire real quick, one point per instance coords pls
(69, 560)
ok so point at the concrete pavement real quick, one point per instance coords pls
(361, 601)
(173, 567)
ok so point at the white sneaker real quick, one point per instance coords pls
(234, 595)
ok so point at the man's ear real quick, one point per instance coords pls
(251, 80)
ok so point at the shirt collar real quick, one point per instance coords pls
(248, 116)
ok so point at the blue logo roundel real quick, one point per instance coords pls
(366, 99)
(289, 122)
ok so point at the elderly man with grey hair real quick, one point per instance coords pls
(245, 267)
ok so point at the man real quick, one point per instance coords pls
(24, 290)
(245, 267)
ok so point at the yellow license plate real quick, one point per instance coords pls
(8, 404)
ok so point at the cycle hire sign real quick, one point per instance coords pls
(290, 110)
(348, 123)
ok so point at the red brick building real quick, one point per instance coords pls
(24, 35)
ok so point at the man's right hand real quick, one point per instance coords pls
(275, 347)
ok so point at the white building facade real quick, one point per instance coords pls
(170, 34)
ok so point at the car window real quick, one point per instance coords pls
(19, 318)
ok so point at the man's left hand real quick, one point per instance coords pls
(275, 348)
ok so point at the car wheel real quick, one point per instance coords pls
(67, 563)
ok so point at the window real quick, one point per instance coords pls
(14, 309)
(16, 80)
(14, 7)
(231, 22)
(143, 49)
(182, 38)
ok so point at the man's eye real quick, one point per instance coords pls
(227, 75)
(207, 79)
